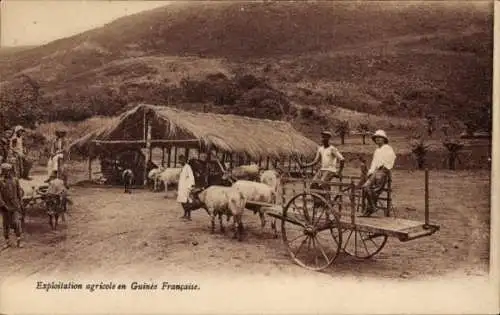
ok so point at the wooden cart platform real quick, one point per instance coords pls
(403, 229)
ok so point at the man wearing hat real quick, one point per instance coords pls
(328, 155)
(379, 171)
(17, 148)
(10, 204)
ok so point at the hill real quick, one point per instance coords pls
(270, 59)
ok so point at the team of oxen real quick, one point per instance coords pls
(244, 184)
(241, 186)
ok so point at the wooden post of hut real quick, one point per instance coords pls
(149, 151)
(175, 156)
(169, 156)
(90, 168)
(163, 156)
(90, 163)
(187, 154)
(267, 163)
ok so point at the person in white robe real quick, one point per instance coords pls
(186, 184)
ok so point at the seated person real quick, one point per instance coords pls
(379, 172)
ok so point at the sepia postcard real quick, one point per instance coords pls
(249, 157)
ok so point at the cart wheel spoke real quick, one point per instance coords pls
(348, 238)
(321, 249)
(300, 246)
(296, 238)
(322, 220)
(360, 248)
(364, 245)
(319, 217)
(305, 210)
(335, 238)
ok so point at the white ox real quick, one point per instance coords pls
(169, 176)
(153, 176)
(221, 200)
(259, 192)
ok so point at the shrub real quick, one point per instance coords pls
(306, 112)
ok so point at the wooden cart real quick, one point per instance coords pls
(318, 225)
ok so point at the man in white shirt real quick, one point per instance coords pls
(328, 155)
(379, 171)
(186, 184)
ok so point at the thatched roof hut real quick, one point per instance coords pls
(257, 138)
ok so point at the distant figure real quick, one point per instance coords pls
(127, 178)
(59, 143)
(379, 172)
(57, 157)
(17, 148)
(10, 204)
(186, 184)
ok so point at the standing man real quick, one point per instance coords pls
(59, 144)
(328, 155)
(57, 157)
(186, 183)
(4, 149)
(17, 148)
(10, 204)
(379, 172)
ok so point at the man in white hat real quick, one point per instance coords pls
(328, 155)
(18, 150)
(10, 204)
(379, 171)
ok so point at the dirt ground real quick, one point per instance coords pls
(109, 231)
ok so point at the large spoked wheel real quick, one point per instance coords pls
(362, 244)
(311, 231)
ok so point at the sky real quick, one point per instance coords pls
(28, 22)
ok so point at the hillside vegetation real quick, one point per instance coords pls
(304, 62)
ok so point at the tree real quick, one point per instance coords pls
(453, 147)
(419, 149)
(22, 102)
(342, 130)
(365, 130)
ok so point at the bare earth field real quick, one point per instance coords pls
(108, 231)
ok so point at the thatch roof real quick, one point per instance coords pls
(228, 133)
